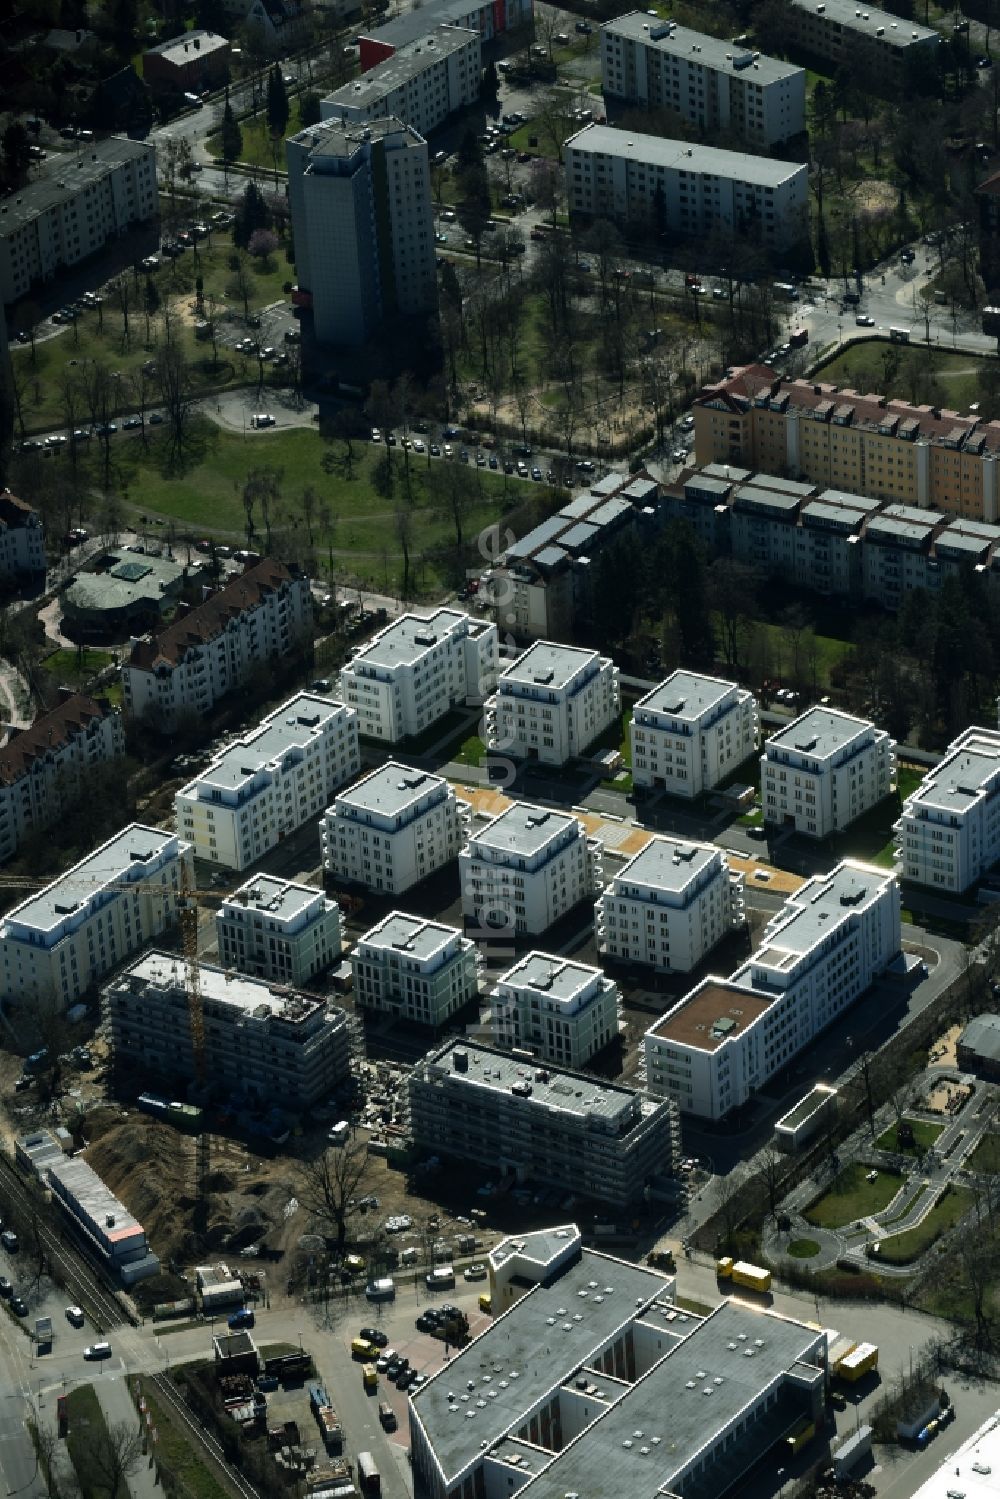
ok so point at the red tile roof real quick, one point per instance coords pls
(50, 731)
(13, 512)
(209, 619)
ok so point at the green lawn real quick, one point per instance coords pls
(871, 837)
(86, 1424)
(851, 1197)
(258, 150)
(471, 751)
(828, 649)
(78, 666)
(986, 1156)
(617, 737)
(903, 1249)
(203, 494)
(451, 724)
(924, 1136)
(803, 1249)
(863, 368)
(178, 1456)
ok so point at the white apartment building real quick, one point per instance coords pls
(819, 954)
(690, 733)
(710, 82)
(417, 669)
(843, 32)
(263, 1043)
(415, 969)
(824, 770)
(360, 200)
(948, 835)
(552, 703)
(563, 1012)
(267, 784)
(393, 828)
(22, 534)
(669, 905)
(209, 651)
(423, 83)
(278, 929)
(81, 200)
(527, 867)
(684, 188)
(44, 767)
(56, 944)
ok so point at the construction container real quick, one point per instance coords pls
(751, 1276)
(724, 1267)
(860, 1362)
(849, 1454)
(838, 1351)
(802, 1432)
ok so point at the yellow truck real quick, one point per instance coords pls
(859, 1362)
(751, 1276)
(724, 1267)
(802, 1432)
(369, 1377)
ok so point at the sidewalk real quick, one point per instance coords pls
(116, 1403)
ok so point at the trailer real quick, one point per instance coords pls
(858, 1363)
(43, 1334)
(330, 1428)
(802, 1432)
(839, 1348)
(853, 1451)
(724, 1267)
(752, 1277)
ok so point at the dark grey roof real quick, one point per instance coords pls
(982, 1036)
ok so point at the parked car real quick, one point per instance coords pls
(97, 1351)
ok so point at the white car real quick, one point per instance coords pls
(475, 1272)
(262, 419)
(97, 1351)
(864, 320)
(376, 435)
(74, 1316)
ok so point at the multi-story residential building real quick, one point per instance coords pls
(360, 200)
(415, 969)
(22, 534)
(187, 64)
(824, 770)
(417, 669)
(45, 767)
(708, 81)
(212, 649)
(279, 930)
(527, 867)
(831, 541)
(393, 828)
(669, 905)
(613, 1384)
(842, 33)
(544, 582)
(684, 188)
(423, 83)
(552, 703)
(926, 457)
(563, 1012)
(267, 784)
(690, 733)
(819, 954)
(486, 18)
(56, 944)
(551, 1126)
(265, 1043)
(78, 203)
(948, 835)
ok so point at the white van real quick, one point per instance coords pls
(441, 1279)
(340, 1133)
(381, 1290)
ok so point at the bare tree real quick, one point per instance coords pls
(327, 1185)
(404, 534)
(113, 1454)
(178, 396)
(121, 289)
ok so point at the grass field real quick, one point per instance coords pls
(903, 1249)
(204, 494)
(78, 666)
(177, 1455)
(851, 1196)
(863, 368)
(924, 1136)
(86, 1424)
(871, 837)
(803, 1249)
(471, 751)
(258, 149)
(986, 1156)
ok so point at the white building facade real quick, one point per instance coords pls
(670, 905)
(415, 969)
(683, 188)
(948, 835)
(552, 703)
(81, 201)
(277, 929)
(211, 650)
(265, 786)
(527, 867)
(360, 200)
(563, 1012)
(824, 770)
(822, 951)
(417, 669)
(56, 944)
(423, 83)
(690, 733)
(22, 536)
(393, 828)
(708, 81)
